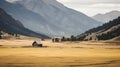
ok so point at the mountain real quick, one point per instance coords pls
(49, 17)
(10, 25)
(116, 38)
(105, 32)
(107, 16)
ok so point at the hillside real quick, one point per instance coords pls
(107, 16)
(49, 17)
(105, 32)
(10, 25)
(116, 38)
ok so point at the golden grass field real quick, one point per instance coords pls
(20, 53)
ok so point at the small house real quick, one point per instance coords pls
(37, 44)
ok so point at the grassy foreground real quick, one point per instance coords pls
(19, 53)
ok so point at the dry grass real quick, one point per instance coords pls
(19, 53)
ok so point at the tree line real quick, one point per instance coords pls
(2, 33)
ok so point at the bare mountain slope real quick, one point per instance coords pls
(10, 25)
(49, 17)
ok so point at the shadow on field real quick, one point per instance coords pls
(84, 47)
(112, 48)
(1, 46)
(95, 64)
(72, 64)
(34, 47)
(113, 42)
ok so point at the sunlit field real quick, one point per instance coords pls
(20, 53)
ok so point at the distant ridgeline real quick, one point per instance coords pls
(107, 31)
(110, 30)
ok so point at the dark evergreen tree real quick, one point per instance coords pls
(73, 38)
(0, 34)
(63, 39)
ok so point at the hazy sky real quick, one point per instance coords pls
(92, 7)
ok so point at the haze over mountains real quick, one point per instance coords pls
(49, 17)
(107, 16)
(10, 25)
(105, 32)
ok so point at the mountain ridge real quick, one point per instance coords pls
(107, 31)
(47, 18)
(10, 25)
(109, 16)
